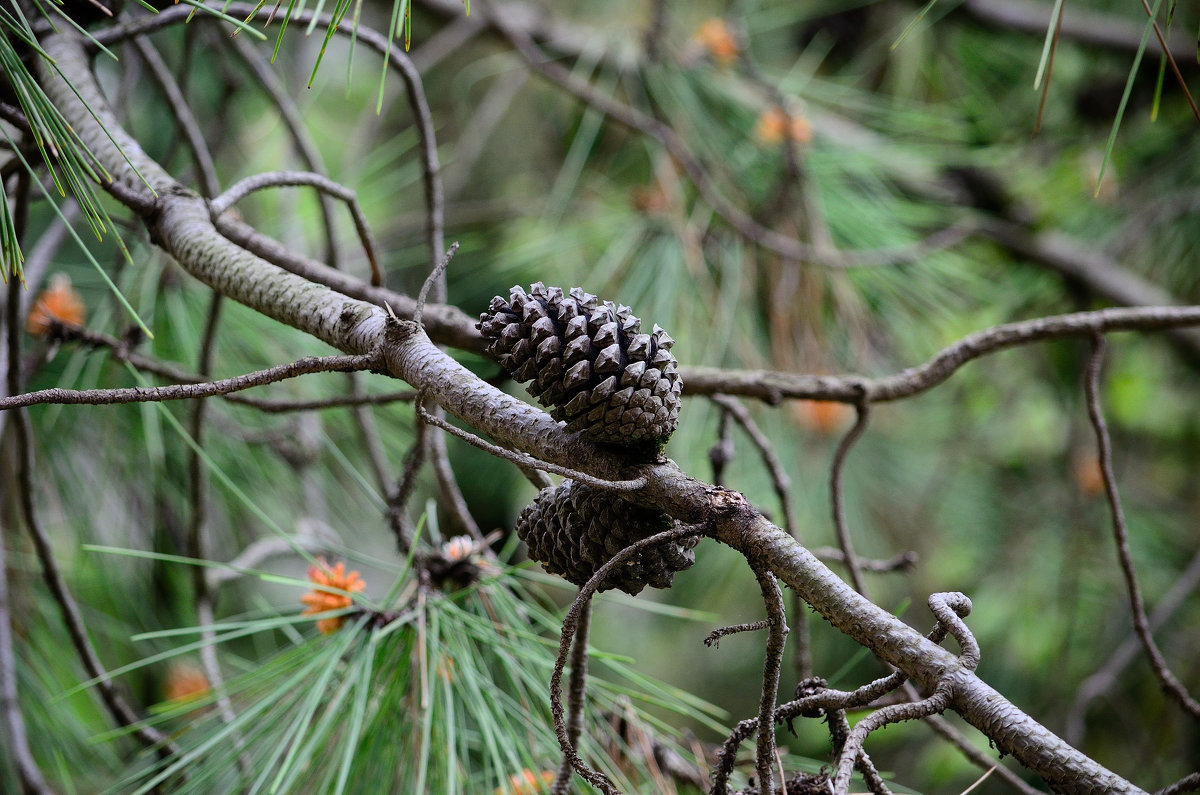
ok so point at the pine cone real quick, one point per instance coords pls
(574, 529)
(587, 359)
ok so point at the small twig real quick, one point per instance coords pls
(777, 619)
(897, 713)
(1037, 124)
(813, 699)
(713, 639)
(120, 711)
(1137, 606)
(526, 460)
(407, 484)
(16, 739)
(839, 726)
(981, 779)
(146, 394)
(837, 500)
(721, 453)
(779, 479)
(1189, 783)
(434, 277)
(283, 179)
(1105, 677)
(1162, 42)
(570, 624)
(181, 109)
(306, 147)
(576, 698)
(121, 352)
(903, 561)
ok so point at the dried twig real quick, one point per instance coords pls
(148, 394)
(1137, 606)
(837, 500)
(773, 386)
(523, 459)
(16, 739)
(576, 698)
(306, 147)
(897, 713)
(569, 627)
(777, 621)
(283, 179)
(839, 729)
(181, 109)
(714, 638)
(779, 479)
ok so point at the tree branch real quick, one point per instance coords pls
(774, 386)
(148, 394)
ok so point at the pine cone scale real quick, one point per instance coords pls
(582, 354)
(573, 530)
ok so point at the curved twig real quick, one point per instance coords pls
(773, 386)
(764, 755)
(569, 628)
(523, 459)
(897, 713)
(576, 698)
(837, 502)
(1137, 606)
(950, 610)
(323, 184)
(306, 147)
(779, 479)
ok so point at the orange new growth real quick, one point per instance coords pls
(714, 35)
(58, 302)
(185, 682)
(320, 601)
(527, 783)
(774, 124)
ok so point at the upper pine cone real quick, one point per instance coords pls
(587, 359)
(573, 530)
